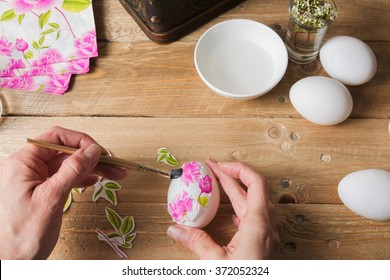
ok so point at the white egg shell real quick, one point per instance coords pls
(367, 193)
(193, 198)
(348, 60)
(321, 100)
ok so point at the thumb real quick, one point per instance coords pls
(75, 168)
(198, 241)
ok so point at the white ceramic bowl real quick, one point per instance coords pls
(240, 58)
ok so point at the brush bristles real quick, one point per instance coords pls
(176, 173)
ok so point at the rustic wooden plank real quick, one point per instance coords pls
(146, 79)
(306, 231)
(330, 232)
(370, 20)
(302, 162)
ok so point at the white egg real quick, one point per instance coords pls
(193, 198)
(367, 193)
(321, 100)
(348, 60)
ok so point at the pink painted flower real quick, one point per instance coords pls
(19, 83)
(41, 70)
(87, 44)
(59, 81)
(191, 172)
(25, 6)
(21, 45)
(7, 73)
(206, 184)
(79, 66)
(15, 64)
(48, 57)
(5, 46)
(180, 206)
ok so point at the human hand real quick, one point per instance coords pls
(34, 185)
(257, 236)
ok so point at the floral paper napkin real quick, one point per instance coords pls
(44, 42)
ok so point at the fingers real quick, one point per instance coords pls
(232, 188)
(197, 241)
(60, 136)
(103, 170)
(74, 170)
(257, 194)
(75, 139)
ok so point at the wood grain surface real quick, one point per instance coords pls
(140, 96)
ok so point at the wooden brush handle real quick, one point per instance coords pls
(103, 158)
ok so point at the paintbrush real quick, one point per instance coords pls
(170, 174)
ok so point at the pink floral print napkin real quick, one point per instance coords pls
(44, 42)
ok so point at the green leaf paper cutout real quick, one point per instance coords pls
(43, 18)
(130, 237)
(96, 194)
(127, 225)
(111, 197)
(75, 6)
(68, 202)
(8, 15)
(165, 156)
(112, 186)
(203, 201)
(114, 219)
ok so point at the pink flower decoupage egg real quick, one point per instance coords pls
(193, 198)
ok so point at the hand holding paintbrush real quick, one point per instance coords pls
(171, 174)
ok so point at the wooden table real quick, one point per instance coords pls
(140, 96)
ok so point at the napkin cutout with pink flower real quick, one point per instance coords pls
(44, 42)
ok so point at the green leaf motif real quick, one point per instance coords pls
(54, 25)
(41, 40)
(96, 194)
(48, 31)
(112, 186)
(35, 45)
(75, 6)
(58, 35)
(113, 218)
(8, 15)
(40, 88)
(28, 55)
(44, 18)
(127, 225)
(111, 197)
(203, 201)
(20, 18)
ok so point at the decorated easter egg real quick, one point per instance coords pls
(193, 198)
(348, 60)
(321, 100)
(367, 193)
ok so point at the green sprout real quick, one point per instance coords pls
(313, 13)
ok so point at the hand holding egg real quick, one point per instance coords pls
(255, 217)
(193, 198)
